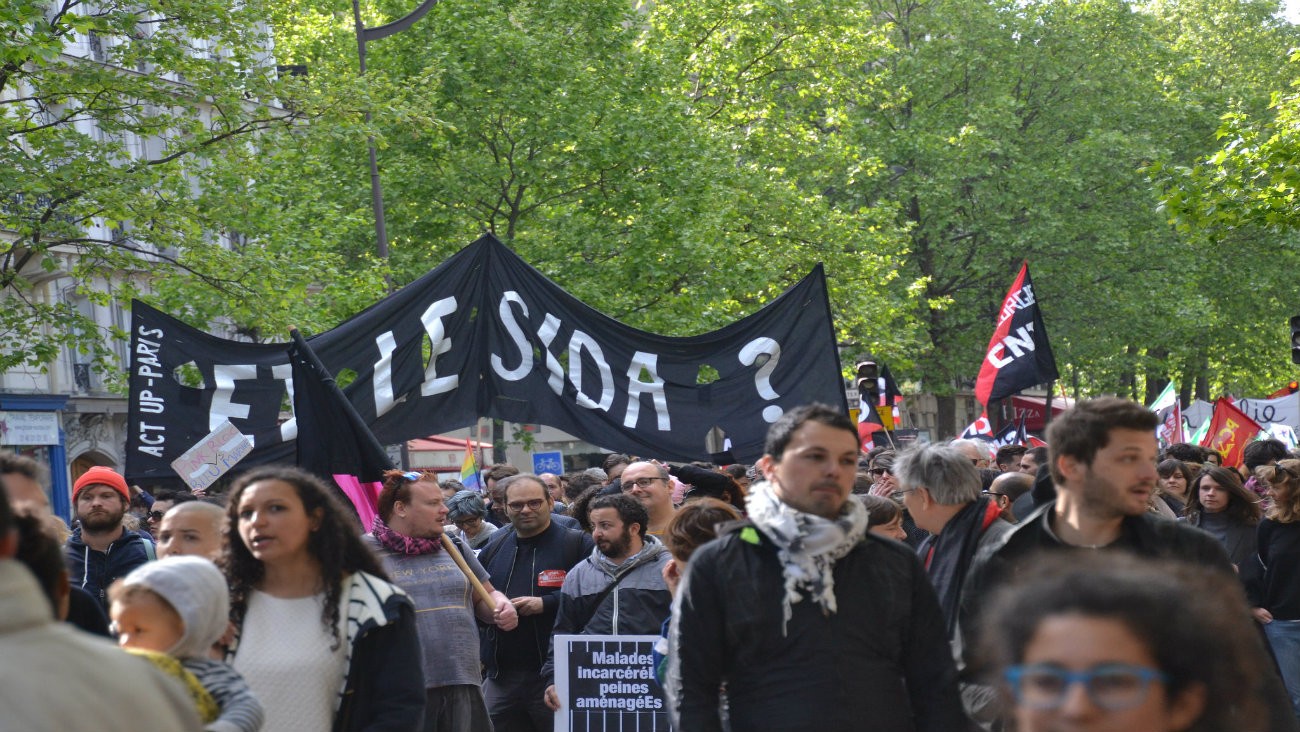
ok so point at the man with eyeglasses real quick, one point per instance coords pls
(528, 561)
(974, 451)
(1012, 492)
(650, 485)
(941, 490)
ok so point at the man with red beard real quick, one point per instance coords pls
(100, 549)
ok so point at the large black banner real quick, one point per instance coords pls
(505, 342)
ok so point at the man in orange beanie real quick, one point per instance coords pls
(100, 549)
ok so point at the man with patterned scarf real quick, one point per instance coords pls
(798, 618)
(406, 536)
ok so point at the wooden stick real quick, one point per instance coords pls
(479, 589)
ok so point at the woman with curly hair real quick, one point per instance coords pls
(1275, 592)
(1218, 503)
(322, 638)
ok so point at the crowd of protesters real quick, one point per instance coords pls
(1099, 583)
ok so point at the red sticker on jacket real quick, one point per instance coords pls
(551, 578)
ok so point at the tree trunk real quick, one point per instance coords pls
(945, 420)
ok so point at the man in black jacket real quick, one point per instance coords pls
(812, 623)
(1102, 459)
(528, 561)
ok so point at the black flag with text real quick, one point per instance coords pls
(1018, 355)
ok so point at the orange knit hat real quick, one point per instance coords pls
(100, 475)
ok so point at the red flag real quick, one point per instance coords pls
(1230, 430)
(1018, 355)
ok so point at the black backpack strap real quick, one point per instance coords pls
(601, 597)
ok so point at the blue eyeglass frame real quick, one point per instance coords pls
(1014, 675)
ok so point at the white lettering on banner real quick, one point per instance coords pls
(383, 381)
(1016, 301)
(1020, 343)
(149, 368)
(439, 344)
(647, 362)
(550, 328)
(154, 440)
(516, 335)
(284, 372)
(150, 404)
(578, 342)
(224, 375)
(763, 377)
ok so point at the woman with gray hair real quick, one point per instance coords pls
(467, 510)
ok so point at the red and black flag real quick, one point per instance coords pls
(334, 442)
(1013, 433)
(978, 430)
(1018, 355)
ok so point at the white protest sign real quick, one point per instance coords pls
(212, 456)
(1284, 410)
(607, 682)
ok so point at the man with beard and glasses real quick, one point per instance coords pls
(619, 589)
(808, 621)
(100, 549)
(528, 560)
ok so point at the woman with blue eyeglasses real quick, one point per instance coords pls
(1111, 643)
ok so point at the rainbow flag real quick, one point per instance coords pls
(469, 470)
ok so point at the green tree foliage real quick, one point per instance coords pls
(1233, 201)
(676, 165)
(119, 121)
(562, 128)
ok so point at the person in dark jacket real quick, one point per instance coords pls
(528, 561)
(100, 549)
(810, 622)
(619, 589)
(1102, 461)
(1218, 503)
(1274, 588)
